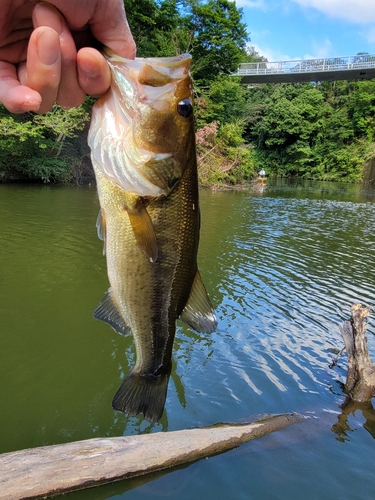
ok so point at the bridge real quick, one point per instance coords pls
(359, 67)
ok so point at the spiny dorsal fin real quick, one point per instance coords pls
(107, 311)
(198, 311)
(142, 226)
(101, 227)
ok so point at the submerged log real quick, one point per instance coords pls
(360, 380)
(51, 470)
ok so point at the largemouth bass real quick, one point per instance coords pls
(143, 151)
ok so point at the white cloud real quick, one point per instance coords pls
(321, 50)
(371, 35)
(272, 55)
(356, 11)
(251, 4)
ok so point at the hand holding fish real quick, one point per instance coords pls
(47, 54)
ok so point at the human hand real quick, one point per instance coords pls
(47, 55)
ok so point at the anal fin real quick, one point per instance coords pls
(108, 312)
(198, 311)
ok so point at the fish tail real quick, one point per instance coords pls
(142, 394)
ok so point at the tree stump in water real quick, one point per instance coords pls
(360, 380)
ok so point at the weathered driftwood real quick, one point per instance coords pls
(360, 380)
(50, 470)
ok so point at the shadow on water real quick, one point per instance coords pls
(282, 267)
(177, 481)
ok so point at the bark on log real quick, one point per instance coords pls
(360, 381)
(51, 470)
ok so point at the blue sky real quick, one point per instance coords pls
(302, 29)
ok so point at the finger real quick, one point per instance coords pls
(15, 47)
(93, 72)
(69, 93)
(43, 66)
(111, 27)
(16, 98)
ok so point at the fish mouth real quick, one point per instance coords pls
(168, 62)
(132, 132)
(149, 71)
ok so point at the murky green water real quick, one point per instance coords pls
(282, 267)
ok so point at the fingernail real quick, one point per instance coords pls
(32, 99)
(48, 46)
(32, 105)
(29, 104)
(88, 70)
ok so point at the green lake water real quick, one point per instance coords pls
(282, 267)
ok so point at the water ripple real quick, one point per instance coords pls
(290, 270)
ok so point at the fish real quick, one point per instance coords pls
(143, 152)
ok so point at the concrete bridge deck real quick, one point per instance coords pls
(359, 67)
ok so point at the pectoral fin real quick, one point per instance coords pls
(108, 312)
(142, 226)
(198, 311)
(101, 227)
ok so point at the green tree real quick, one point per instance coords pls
(362, 109)
(306, 130)
(224, 100)
(212, 31)
(158, 27)
(223, 158)
(36, 147)
(218, 37)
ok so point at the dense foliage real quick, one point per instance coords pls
(42, 147)
(316, 131)
(322, 131)
(212, 31)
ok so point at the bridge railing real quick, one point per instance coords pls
(360, 61)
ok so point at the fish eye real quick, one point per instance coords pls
(185, 108)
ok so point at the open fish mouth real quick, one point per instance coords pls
(162, 65)
(135, 129)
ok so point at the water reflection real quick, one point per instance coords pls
(349, 408)
(178, 482)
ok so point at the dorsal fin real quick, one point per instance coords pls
(198, 311)
(108, 312)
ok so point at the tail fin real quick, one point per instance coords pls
(142, 394)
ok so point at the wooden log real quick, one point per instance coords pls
(360, 380)
(51, 470)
